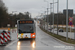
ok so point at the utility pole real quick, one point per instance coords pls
(44, 19)
(47, 13)
(67, 21)
(57, 14)
(47, 19)
(50, 15)
(53, 16)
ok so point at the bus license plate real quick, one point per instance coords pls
(26, 37)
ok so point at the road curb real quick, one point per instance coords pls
(9, 43)
(60, 40)
(63, 41)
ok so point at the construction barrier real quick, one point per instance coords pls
(1, 39)
(4, 37)
(8, 34)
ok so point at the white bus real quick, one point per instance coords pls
(26, 29)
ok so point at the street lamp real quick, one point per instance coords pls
(50, 14)
(67, 21)
(47, 3)
(47, 13)
(53, 12)
(53, 16)
(44, 18)
(57, 14)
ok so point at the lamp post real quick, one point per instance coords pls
(44, 19)
(50, 14)
(47, 3)
(47, 13)
(57, 14)
(67, 21)
(53, 12)
(53, 16)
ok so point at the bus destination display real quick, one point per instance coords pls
(21, 22)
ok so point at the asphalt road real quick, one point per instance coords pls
(43, 42)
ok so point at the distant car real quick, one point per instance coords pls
(61, 30)
(50, 29)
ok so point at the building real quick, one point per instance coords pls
(70, 12)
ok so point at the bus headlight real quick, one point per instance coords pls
(18, 36)
(33, 35)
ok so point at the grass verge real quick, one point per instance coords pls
(62, 38)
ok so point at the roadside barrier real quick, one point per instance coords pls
(4, 37)
(1, 39)
(8, 34)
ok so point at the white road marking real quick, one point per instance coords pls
(11, 43)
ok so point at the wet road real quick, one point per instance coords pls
(43, 42)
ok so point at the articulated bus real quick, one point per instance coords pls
(26, 29)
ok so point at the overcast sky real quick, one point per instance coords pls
(35, 7)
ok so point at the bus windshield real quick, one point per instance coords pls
(26, 28)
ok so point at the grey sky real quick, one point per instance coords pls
(35, 6)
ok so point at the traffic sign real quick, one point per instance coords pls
(70, 23)
(70, 19)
